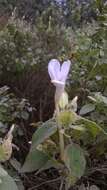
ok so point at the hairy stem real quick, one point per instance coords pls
(61, 136)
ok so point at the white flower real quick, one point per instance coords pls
(58, 74)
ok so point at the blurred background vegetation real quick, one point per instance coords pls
(31, 33)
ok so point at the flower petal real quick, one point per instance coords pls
(54, 69)
(58, 84)
(65, 70)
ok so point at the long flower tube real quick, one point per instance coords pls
(58, 74)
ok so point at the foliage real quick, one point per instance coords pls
(25, 52)
(7, 182)
(78, 13)
(76, 30)
(71, 13)
(22, 48)
(12, 110)
(45, 143)
(90, 54)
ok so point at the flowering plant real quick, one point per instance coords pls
(57, 142)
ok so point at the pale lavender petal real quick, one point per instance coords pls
(65, 70)
(54, 69)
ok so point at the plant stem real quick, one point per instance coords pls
(61, 136)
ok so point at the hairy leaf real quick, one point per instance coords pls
(75, 160)
(6, 181)
(45, 131)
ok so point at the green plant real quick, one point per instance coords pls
(7, 182)
(57, 142)
(6, 145)
(12, 110)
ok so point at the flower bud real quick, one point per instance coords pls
(63, 102)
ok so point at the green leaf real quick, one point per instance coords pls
(51, 164)
(25, 115)
(35, 160)
(45, 131)
(87, 109)
(77, 127)
(15, 164)
(3, 173)
(20, 184)
(75, 160)
(91, 126)
(102, 99)
(6, 181)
